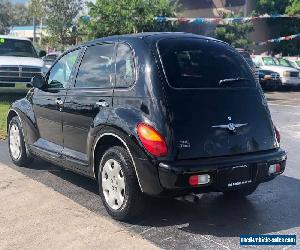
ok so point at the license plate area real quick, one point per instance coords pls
(235, 177)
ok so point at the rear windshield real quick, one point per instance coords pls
(14, 47)
(198, 63)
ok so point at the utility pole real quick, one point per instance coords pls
(41, 31)
(246, 8)
(34, 29)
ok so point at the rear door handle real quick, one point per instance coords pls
(102, 103)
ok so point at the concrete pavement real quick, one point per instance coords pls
(33, 216)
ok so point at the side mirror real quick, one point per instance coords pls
(38, 82)
(42, 53)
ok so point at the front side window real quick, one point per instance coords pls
(60, 73)
(125, 66)
(97, 67)
(197, 63)
(15, 47)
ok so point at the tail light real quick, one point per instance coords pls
(152, 141)
(278, 137)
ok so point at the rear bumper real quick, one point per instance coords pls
(174, 176)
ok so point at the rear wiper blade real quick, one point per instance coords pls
(230, 80)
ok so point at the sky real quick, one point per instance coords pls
(19, 1)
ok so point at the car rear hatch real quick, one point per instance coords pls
(216, 108)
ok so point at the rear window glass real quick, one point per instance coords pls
(197, 63)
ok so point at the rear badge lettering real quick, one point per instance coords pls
(184, 144)
(233, 184)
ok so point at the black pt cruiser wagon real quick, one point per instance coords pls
(159, 114)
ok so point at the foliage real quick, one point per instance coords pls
(111, 17)
(236, 34)
(60, 17)
(36, 9)
(5, 102)
(21, 15)
(293, 8)
(5, 16)
(288, 26)
(271, 6)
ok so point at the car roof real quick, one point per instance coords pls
(151, 37)
(15, 38)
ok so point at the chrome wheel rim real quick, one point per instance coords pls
(113, 184)
(15, 142)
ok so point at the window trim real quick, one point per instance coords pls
(73, 73)
(80, 62)
(134, 67)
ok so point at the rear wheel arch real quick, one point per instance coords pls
(108, 139)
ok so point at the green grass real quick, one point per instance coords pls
(5, 102)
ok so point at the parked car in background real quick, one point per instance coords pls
(19, 62)
(295, 62)
(269, 80)
(289, 76)
(284, 62)
(49, 59)
(160, 114)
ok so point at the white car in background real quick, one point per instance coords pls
(19, 62)
(289, 76)
(294, 61)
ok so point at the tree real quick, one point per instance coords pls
(293, 8)
(20, 15)
(60, 17)
(111, 17)
(271, 6)
(6, 17)
(288, 26)
(236, 34)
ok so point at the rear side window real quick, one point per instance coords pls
(97, 67)
(198, 63)
(124, 66)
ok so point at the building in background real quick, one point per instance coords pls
(27, 31)
(215, 8)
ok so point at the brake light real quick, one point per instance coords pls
(278, 137)
(153, 142)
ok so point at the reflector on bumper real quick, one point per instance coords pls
(196, 180)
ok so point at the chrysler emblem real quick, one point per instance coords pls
(230, 126)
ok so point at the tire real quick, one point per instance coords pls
(240, 193)
(118, 185)
(16, 144)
